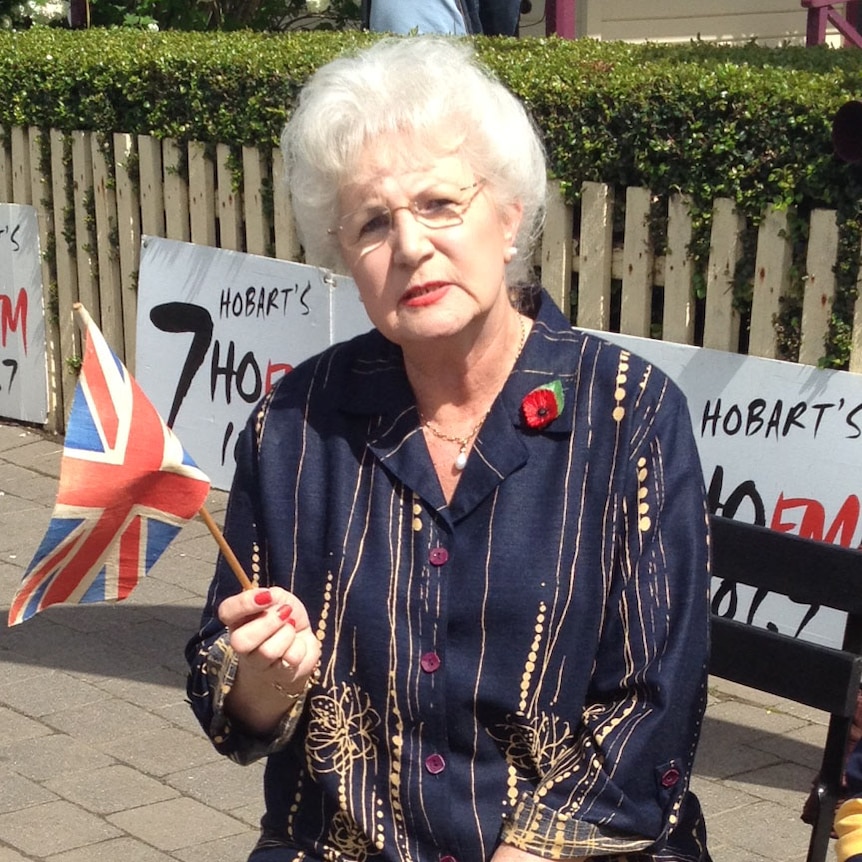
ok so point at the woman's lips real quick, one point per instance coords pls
(425, 294)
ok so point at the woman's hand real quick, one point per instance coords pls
(277, 652)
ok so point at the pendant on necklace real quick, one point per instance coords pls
(461, 460)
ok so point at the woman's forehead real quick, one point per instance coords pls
(379, 175)
(407, 153)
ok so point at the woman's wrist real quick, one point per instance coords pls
(260, 706)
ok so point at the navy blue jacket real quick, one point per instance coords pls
(526, 664)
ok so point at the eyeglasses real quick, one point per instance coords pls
(367, 228)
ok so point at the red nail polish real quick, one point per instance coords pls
(264, 597)
(284, 613)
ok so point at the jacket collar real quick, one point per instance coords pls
(378, 387)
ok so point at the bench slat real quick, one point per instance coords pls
(809, 572)
(820, 677)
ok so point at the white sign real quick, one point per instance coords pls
(23, 351)
(780, 443)
(781, 446)
(216, 329)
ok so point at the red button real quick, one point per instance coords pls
(430, 662)
(435, 763)
(448, 859)
(438, 556)
(670, 778)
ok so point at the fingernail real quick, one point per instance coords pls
(264, 597)
(284, 613)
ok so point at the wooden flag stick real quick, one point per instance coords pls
(225, 548)
(83, 316)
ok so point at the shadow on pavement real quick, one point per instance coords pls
(118, 640)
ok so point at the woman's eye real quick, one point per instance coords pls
(374, 223)
(436, 206)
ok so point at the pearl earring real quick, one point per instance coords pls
(511, 252)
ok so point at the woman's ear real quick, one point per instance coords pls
(511, 217)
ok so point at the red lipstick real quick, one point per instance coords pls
(426, 293)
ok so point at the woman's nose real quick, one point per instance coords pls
(409, 238)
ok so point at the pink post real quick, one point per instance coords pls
(816, 30)
(560, 18)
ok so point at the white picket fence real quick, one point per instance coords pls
(143, 188)
(599, 262)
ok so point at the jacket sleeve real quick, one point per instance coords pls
(622, 786)
(212, 663)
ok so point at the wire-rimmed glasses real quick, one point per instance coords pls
(368, 227)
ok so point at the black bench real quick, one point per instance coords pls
(811, 573)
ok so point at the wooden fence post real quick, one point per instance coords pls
(678, 313)
(258, 227)
(819, 284)
(557, 246)
(177, 225)
(6, 196)
(202, 207)
(128, 239)
(229, 202)
(638, 262)
(22, 191)
(110, 292)
(67, 273)
(40, 184)
(596, 254)
(771, 281)
(721, 327)
(152, 189)
(84, 192)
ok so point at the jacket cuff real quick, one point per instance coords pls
(536, 828)
(228, 735)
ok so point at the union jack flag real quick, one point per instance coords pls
(127, 487)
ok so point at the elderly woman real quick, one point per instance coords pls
(479, 630)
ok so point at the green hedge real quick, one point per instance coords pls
(751, 123)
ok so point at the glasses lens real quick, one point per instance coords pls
(366, 227)
(445, 210)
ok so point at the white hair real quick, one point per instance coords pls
(432, 89)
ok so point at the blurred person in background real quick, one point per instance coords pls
(455, 17)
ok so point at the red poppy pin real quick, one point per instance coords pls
(544, 404)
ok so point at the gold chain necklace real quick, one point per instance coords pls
(464, 442)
